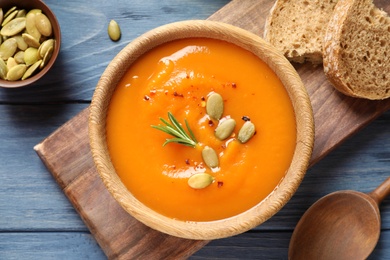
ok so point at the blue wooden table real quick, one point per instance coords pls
(38, 222)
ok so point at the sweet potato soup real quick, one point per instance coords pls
(178, 78)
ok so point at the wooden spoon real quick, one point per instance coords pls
(341, 225)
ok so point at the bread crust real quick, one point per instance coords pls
(296, 28)
(352, 67)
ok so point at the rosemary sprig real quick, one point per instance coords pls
(175, 129)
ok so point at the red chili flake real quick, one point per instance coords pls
(146, 97)
(177, 94)
(234, 85)
(246, 118)
(211, 123)
(188, 161)
(203, 98)
(224, 146)
(220, 184)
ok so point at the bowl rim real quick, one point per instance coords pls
(57, 36)
(204, 230)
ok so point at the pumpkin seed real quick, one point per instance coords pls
(16, 72)
(225, 128)
(114, 30)
(47, 57)
(214, 106)
(21, 13)
(200, 180)
(43, 24)
(9, 17)
(22, 45)
(31, 56)
(31, 70)
(1, 15)
(31, 28)
(35, 11)
(11, 63)
(3, 69)
(31, 40)
(14, 27)
(210, 157)
(8, 48)
(45, 47)
(13, 8)
(246, 132)
(19, 57)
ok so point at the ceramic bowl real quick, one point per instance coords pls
(204, 230)
(56, 34)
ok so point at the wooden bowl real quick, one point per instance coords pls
(29, 5)
(204, 230)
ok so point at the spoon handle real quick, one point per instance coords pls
(381, 191)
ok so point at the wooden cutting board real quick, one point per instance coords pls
(66, 153)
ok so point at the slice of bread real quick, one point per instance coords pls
(357, 50)
(297, 28)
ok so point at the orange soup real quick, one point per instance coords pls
(178, 77)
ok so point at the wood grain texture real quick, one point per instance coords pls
(30, 200)
(327, 138)
(261, 245)
(38, 222)
(67, 156)
(85, 201)
(36, 205)
(341, 225)
(49, 245)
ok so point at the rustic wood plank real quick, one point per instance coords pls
(67, 156)
(29, 200)
(346, 167)
(260, 245)
(49, 245)
(37, 205)
(70, 245)
(337, 117)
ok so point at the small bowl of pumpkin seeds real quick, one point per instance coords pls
(30, 40)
